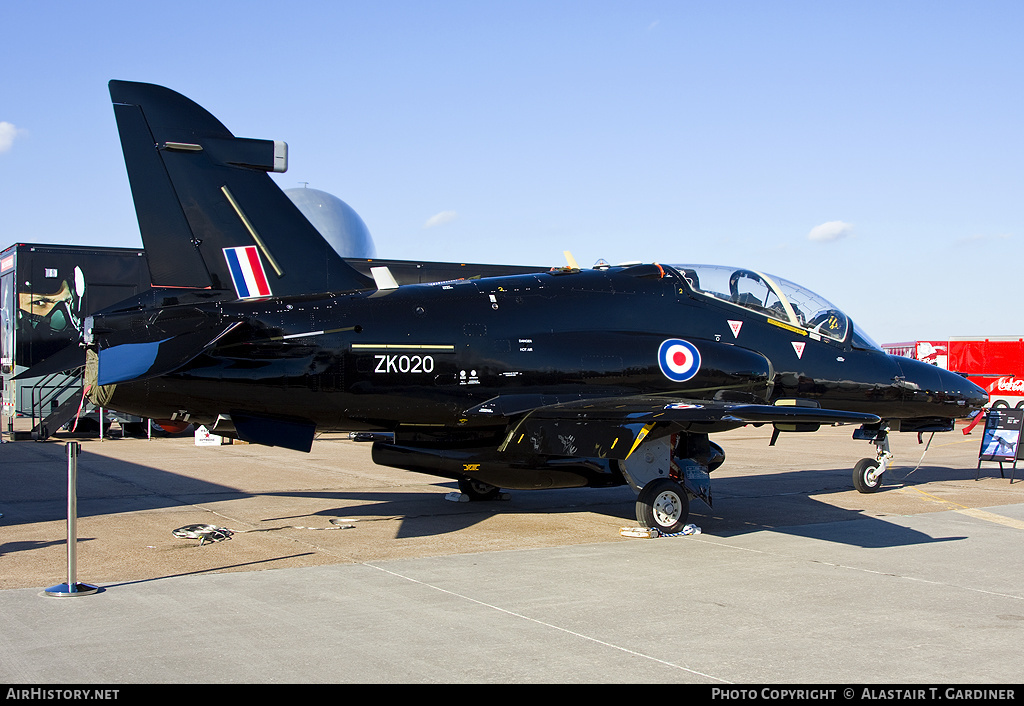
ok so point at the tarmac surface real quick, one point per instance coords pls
(795, 577)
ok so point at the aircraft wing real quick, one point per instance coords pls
(612, 427)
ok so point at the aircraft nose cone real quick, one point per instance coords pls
(938, 392)
(957, 390)
(975, 396)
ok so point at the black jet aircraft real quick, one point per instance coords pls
(564, 378)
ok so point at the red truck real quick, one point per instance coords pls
(994, 362)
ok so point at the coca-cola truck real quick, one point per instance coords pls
(993, 362)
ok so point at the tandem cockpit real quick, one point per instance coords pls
(777, 299)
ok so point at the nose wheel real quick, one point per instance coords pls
(866, 476)
(664, 505)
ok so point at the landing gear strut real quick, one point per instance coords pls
(867, 474)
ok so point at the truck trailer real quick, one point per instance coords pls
(996, 363)
(46, 291)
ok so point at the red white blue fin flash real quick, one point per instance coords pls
(247, 272)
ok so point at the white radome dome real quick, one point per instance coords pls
(336, 221)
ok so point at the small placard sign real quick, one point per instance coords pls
(1001, 440)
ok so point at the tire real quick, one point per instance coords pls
(477, 490)
(862, 479)
(664, 505)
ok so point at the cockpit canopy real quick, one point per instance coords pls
(771, 296)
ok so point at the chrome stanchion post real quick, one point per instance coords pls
(72, 587)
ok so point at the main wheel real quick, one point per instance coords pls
(865, 476)
(664, 505)
(477, 490)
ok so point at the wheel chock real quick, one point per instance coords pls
(641, 532)
(654, 533)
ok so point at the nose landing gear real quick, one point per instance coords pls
(867, 474)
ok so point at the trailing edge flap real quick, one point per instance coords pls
(141, 361)
(199, 191)
(613, 427)
(70, 357)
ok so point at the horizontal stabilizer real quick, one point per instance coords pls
(141, 361)
(71, 357)
(129, 361)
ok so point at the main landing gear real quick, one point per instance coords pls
(476, 490)
(664, 505)
(867, 474)
(667, 472)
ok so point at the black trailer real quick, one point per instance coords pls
(46, 291)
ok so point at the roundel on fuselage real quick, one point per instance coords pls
(679, 360)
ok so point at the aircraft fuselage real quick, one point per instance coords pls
(428, 354)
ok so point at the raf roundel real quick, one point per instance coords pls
(679, 360)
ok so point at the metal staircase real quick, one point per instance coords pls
(56, 400)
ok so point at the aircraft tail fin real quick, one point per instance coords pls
(209, 213)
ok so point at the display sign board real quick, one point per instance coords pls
(1001, 440)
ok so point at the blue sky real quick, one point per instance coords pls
(871, 151)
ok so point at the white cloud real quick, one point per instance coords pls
(440, 219)
(7, 134)
(832, 230)
(980, 239)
